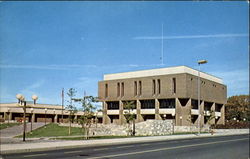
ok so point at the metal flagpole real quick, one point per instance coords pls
(62, 103)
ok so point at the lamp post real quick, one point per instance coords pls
(31, 110)
(199, 116)
(21, 100)
(45, 116)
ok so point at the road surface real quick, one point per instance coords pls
(223, 147)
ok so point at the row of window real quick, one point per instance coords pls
(146, 104)
(167, 103)
(156, 87)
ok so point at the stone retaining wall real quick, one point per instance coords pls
(146, 128)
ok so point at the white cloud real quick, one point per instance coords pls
(190, 36)
(46, 67)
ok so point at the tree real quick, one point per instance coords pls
(237, 107)
(71, 107)
(129, 106)
(87, 118)
(209, 117)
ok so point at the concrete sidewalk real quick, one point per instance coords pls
(55, 144)
(7, 135)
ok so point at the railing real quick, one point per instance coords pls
(194, 111)
(110, 112)
(147, 111)
(167, 111)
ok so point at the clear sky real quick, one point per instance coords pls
(47, 46)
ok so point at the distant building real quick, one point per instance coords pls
(37, 113)
(165, 93)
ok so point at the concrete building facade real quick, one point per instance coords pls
(13, 112)
(165, 93)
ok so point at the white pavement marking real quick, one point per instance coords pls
(125, 146)
(100, 149)
(161, 149)
(43, 154)
(72, 151)
(145, 144)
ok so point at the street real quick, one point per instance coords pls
(223, 147)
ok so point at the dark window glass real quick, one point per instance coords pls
(174, 85)
(147, 104)
(218, 107)
(135, 88)
(153, 87)
(140, 88)
(167, 103)
(122, 89)
(113, 105)
(118, 89)
(106, 90)
(159, 86)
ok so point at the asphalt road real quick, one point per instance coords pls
(224, 147)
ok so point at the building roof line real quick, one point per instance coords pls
(161, 71)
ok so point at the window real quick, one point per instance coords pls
(167, 103)
(159, 86)
(118, 89)
(135, 88)
(218, 107)
(106, 90)
(122, 89)
(113, 105)
(194, 103)
(147, 104)
(153, 87)
(140, 88)
(174, 85)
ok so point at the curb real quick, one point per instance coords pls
(179, 137)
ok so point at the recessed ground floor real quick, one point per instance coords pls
(183, 111)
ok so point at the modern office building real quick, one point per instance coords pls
(13, 112)
(165, 93)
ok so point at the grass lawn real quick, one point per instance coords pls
(54, 130)
(6, 125)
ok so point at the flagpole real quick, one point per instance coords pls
(62, 103)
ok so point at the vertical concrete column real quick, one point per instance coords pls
(157, 107)
(55, 118)
(178, 112)
(222, 118)
(186, 116)
(106, 119)
(75, 118)
(202, 113)
(33, 117)
(122, 119)
(5, 116)
(139, 117)
(10, 115)
(213, 113)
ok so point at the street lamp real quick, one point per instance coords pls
(164, 116)
(45, 116)
(199, 116)
(21, 100)
(181, 120)
(31, 110)
(34, 97)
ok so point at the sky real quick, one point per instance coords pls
(47, 46)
